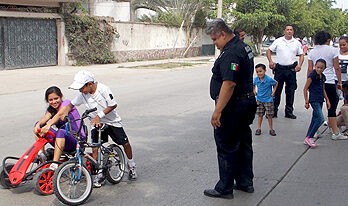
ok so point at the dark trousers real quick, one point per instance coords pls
(234, 145)
(287, 76)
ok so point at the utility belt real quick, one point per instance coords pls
(287, 67)
(242, 97)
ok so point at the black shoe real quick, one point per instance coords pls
(214, 193)
(248, 189)
(291, 116)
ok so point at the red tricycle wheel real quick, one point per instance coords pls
(43, 181)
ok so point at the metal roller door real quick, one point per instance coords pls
(27, 42)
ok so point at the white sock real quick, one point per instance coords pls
(131, 162)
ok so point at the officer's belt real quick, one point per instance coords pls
(286, 67)
(244, 96)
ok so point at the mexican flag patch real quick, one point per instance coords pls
(234, 67)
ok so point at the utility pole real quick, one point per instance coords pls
(219, 15)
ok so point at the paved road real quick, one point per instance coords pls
(166, 114)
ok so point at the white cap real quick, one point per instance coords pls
(81, 78)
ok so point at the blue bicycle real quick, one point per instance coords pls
(72, 181)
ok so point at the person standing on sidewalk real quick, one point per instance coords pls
(322, 50)
(240, 33)
(342, 120)
(343, 57)
(285, 68)
(231, 87)
(316, 86)
(264, 97)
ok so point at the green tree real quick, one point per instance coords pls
(180, 13)
(254, 16)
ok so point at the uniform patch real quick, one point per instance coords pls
(251, 55)
(247, 48)
(234, 67)
(111, 97)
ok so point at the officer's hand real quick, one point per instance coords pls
(95, 121)
(271, 65)
(215, 119)
(297, 68)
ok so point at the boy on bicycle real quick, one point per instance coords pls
(97, 95)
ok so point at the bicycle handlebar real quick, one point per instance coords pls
(46, 135)
(84, 116)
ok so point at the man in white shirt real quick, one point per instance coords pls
(285, 68)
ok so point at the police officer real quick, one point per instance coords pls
(231, 87)
(285, 68)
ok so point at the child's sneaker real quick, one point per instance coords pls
(258, 132)
(338, 136)
(272, 132)
(40, 158)
(98, 179)
(53, 166)
(309, 142)
(132, 172)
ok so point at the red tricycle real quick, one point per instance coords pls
(11, 175)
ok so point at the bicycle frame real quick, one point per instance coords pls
(81, 145)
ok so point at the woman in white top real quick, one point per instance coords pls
(332, 72)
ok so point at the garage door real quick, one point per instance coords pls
(27, 42)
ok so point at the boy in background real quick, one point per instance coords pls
(264, 97)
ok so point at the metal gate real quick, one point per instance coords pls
(27, 42)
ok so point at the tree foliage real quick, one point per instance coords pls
(268, 17)
(88, 42)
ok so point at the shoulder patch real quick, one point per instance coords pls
(234, 67)
(111, 97)
(247, 48)
(250, 55)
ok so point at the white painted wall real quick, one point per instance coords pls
(120, 11)
(145, 36)
(141, 12)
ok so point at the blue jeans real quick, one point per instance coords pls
(317, 118)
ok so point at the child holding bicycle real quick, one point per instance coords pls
(97, 95)
(55, 114)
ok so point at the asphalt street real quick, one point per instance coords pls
(166, 114)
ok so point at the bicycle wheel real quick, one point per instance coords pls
(115, 163)
(43, 181)
(4, 181)
(72, 185)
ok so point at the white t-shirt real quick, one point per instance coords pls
(286, 50)
(343, 61)
(101, 99)
(328, 53)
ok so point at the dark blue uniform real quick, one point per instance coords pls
(233, 138)
(285, 74)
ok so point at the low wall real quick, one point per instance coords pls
(143, 41)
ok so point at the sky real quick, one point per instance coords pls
(341, 3)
